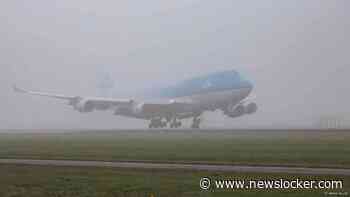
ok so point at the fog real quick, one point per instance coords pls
(296, 52)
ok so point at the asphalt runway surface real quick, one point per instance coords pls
(178, 166)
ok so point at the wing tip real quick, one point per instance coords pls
(16, 89)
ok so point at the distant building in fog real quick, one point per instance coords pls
(333, 122)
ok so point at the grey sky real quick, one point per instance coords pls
(296, 52)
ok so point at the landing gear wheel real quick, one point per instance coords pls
(196, 122)
(179, 124)
(151, 124)
(175, 124)
(157, 123)
(163, 124)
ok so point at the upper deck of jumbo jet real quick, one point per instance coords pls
(220, 81)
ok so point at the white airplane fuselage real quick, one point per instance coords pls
(203, 96)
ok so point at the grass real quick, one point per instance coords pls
(39, 181)
(292, 148)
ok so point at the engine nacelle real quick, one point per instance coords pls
(134, 109)
(137, 108)
(84, 106)
(251, 108)
(240, 109)
(235, 111)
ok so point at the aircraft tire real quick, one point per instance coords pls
(196, 123)
(178, 124)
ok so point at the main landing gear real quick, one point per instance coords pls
(175, 123)
(157, 123)
(160, 123)
(196, 123)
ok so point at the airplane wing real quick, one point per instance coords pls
(82, 104)
(126, 107)
(58, 96)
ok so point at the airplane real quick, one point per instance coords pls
(226, 91)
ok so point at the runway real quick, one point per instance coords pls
(195, 167)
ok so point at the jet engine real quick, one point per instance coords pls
(133, 109)
(138, 108)
(251, 108)
(240, 109)
(234, 110)
(84, 106)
